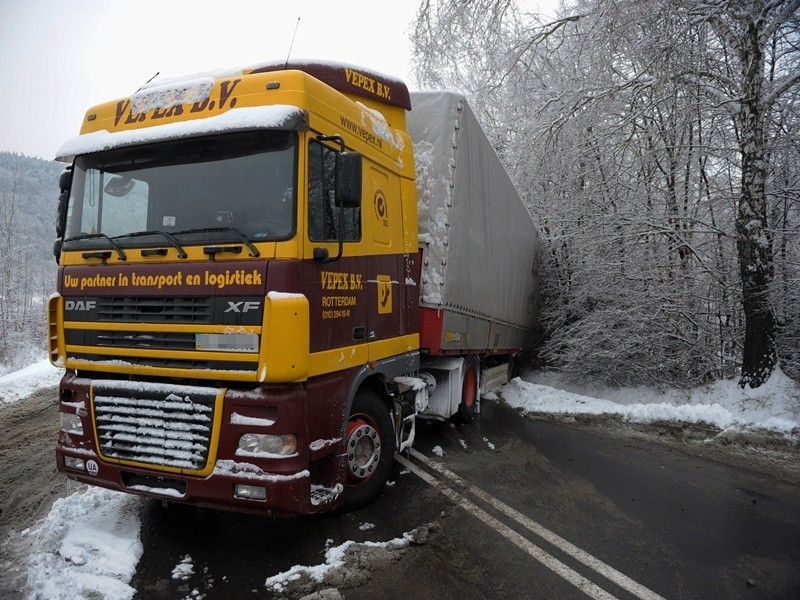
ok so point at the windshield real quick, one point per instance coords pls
(197, 190)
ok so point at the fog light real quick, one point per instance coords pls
(251, 492)
(262, 444)
(73, 463)
(71, 423)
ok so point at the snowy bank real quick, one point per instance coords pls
(773, 406)
(87, 547)
(21, 384)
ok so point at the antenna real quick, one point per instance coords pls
(149, 80)
(288, 54)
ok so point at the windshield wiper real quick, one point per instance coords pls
(87, 236)
(253, 250)
(167, 236)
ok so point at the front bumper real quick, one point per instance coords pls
(279, 486)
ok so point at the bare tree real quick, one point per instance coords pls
(9, 222)
(27, 269)
(784, 206)
(741, 33)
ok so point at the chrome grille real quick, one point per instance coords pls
(158, 424)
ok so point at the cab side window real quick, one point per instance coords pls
(325, 217)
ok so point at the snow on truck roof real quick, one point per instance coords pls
(241, 119)
(347, 78)
(176, 91)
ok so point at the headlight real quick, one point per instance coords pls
(71, 423)
(261, 443)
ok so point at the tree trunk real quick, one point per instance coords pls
(753, 240)
(755, 263)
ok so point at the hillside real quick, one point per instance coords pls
(28, 195)
(37, 181)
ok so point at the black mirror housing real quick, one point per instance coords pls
(61, 213)
(65, 180)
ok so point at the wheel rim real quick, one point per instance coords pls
(363, 448)
(469, 387)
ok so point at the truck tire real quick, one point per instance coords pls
(470, 390)
(513, 366)
(369, 441)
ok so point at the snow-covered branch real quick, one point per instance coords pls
(780, 87)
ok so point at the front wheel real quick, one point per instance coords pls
(370, 448)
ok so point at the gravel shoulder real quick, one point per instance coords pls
(29, 482)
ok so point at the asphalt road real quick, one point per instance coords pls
(515, 508)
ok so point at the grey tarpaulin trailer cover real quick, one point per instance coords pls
(480, 243)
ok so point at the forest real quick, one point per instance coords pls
(28, 193)
(657, 144)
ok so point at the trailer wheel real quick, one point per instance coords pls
(469, 390)
(513, 366)
(370, 448)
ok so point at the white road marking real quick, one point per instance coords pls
(552, 563)
(582, 556)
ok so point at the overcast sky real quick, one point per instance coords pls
(59, 57)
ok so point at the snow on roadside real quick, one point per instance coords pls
(21, 384)
(87, 547)
(773, 406)
(335, 558)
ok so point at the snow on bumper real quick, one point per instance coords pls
(283, 493)
(261, 483)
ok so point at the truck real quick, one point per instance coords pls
(268, 275)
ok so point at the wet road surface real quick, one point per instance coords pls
(519, 508)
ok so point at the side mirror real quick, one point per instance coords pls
(65, 180)
(348, 179)
(61, 213)
(64, 184)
